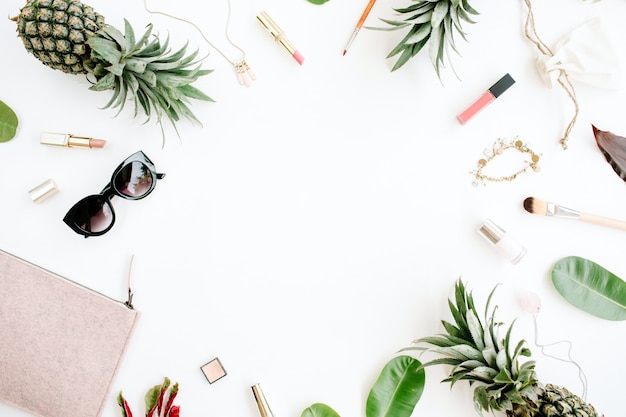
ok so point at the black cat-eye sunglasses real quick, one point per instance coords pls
(133, 179)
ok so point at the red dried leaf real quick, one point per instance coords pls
(170, 400)
(121, 401)
(155, 399)
(164, 387)
(613, 147)
(174, 411)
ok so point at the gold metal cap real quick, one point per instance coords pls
(491, 231)
(43, 191)
(261, 401)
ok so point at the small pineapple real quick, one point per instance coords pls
(70, 36)
(501, 382)
(432, 22)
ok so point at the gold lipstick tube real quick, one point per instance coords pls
(261, 402)
(279, 36)
(70, 141)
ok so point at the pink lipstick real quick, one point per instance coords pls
(489, 96)
(279, 36)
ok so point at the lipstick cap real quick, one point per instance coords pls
(261, 401)
(502, 242)
(491, 231)
(43, 191)
(57, 139)
(502, 85)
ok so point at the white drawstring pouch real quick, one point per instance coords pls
(587, 56)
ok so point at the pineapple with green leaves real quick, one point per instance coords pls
(434, 23)
(72, 37)
(502, 383)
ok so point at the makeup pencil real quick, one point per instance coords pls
(359, 24)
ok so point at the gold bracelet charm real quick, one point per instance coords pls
(498, 148)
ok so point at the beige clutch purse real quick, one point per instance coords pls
(61, 344)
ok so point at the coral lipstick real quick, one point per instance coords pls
(488, 97)
(279, 36)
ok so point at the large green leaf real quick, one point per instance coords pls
(319, 410)
(397, 389)
(590, 287)
(8, 123)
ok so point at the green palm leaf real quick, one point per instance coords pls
(434, 22)
(397, 389)
(590, 287)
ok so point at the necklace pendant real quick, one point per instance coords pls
(244, 73)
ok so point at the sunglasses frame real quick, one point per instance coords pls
(110, 191)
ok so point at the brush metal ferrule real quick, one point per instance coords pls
(560, 211)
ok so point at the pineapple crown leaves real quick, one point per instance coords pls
(432, 22)
(157, 80)
(477, 355)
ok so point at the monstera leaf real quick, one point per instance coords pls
(590, 287)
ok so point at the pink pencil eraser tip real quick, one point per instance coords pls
(298, 57)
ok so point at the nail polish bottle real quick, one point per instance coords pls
(501, 241)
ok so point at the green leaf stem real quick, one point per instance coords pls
(8, 123)
(397, 389)
(590, 287)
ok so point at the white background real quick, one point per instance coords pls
(318, 220)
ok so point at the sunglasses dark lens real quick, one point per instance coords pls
(93, 214)
(134, 180)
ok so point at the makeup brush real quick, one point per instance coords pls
(544, 208)
(359, 24)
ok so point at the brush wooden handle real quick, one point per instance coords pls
(603, 221)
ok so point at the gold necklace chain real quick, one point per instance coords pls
(498, 148)
(242, 69)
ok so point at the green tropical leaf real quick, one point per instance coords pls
(476, 329)
(104, 49)
(481, 398)
(105, 83)
(590, 287)
(397, 389)
(319, 410)
(440, 11)
(151, 398)
(422, 32)
(8, 123)
(503, 377)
